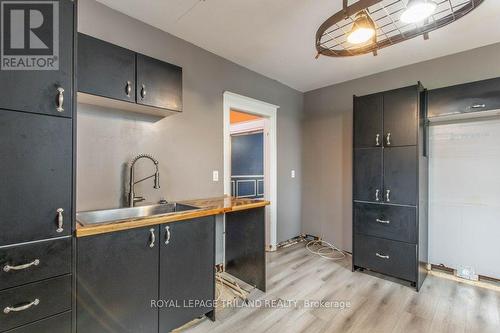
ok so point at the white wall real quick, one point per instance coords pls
(464, 202)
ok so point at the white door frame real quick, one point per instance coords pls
(268, 111)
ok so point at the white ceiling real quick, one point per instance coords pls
(276, 37)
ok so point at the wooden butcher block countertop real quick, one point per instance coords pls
(207, 207)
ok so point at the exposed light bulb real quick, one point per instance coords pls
(360, 35)
(363, 29)
(418, 10)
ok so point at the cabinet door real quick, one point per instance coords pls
(245, 245)
(368, 121)
(36, 180)
(105, 69)
(187, 261)
(117, 279)
(400, 175)
(401, 117)
(36, 90)
(368, 174)
(468, 97)
(159, 84)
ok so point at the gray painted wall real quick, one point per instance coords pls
(327, 134)
(189, 146)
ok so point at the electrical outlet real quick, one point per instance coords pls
(292, 174)
(215, 176)
(467, 273)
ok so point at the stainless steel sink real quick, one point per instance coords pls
(124, 214)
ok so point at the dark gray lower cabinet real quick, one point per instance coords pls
(246, 246)
(187, 260)
(146, 280)
(117, 281)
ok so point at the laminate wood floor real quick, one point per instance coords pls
(376, 304)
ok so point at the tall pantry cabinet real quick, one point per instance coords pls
(390, 172)
(37, 182)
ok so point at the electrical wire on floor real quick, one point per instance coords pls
(325, 250)
(224, 282)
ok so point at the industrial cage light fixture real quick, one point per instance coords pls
(366, 26)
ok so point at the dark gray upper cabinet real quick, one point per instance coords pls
(36, 91)
(117, 281)
(401, 107)
(159, 84)
(368, 185)
(105, 69)
(187, 261)
(463, 98)
(36, 180)
(368, 121)
(110, 76)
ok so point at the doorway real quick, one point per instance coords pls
(247, 155)
(256, 121)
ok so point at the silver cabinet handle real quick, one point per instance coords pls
(167, 238)
(381, 256)
(60, 220)
(60, 100)
(21, 308)
(377, 140)
(153, 238)
(128, 88)
(478, 106)
(8, 268)
(377, 195)
(383, 221)
(388, 195)
(143, 91)
(388, 139)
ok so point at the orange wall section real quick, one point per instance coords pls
(240, 117)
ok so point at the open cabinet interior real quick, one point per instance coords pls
(464, 198)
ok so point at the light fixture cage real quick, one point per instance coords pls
(331, 38)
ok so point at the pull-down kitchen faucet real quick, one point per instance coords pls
(132, 199)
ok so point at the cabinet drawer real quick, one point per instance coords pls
(34, 262)
(39, 300)
(56, 324)
(386, 256)
(385, 221)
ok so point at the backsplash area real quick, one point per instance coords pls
(107, 140)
